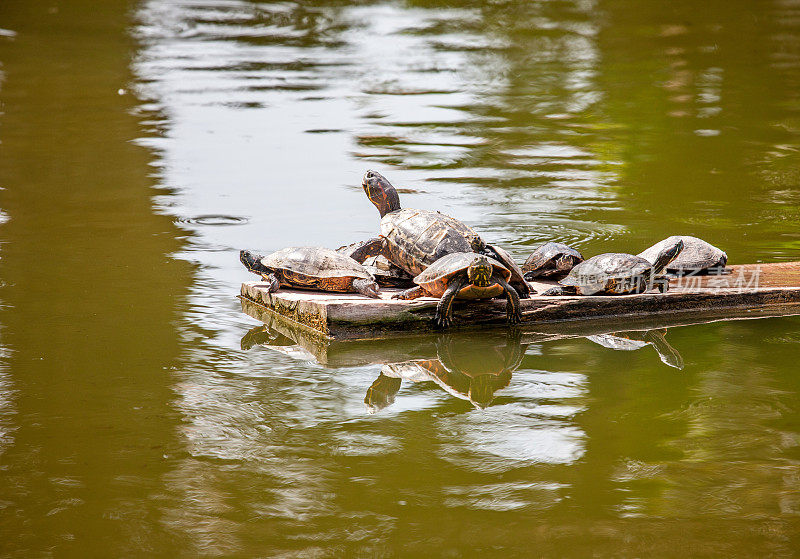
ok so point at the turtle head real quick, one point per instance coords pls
(480, 272)
(666, 256)
(380, 192)
(476, 243)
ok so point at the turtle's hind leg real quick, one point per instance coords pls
(366, 287)
(444, 310)
(412, 293)
(512, 297)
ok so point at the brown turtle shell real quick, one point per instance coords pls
(316, 267)
(416, 239)
(437, 276)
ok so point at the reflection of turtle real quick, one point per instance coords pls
(551, 259)
(465, 275)
(618, 273)
(697, 256)
(631, 341)
(262, 335)
(414, 239)
(311, 268)
(468, 368)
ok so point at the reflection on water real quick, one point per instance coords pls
(469, 368)
(631, 341)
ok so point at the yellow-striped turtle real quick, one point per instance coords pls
(465, 275)
(311, 268)
(414, 239)
(551, 259)
(618, 273)
(697, 257)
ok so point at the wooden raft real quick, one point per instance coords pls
(750, 289)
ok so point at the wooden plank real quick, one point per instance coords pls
(771, 288)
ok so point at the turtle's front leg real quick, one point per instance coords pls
(412, 293)
(512, 306)
(444, 310)
(273, 284)
(366, 249)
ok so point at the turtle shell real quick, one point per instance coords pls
(697, 255)
(437, 276)
(417, 238)
(543, 260)
(315, 262)
(613, 272)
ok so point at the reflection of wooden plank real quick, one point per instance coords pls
(765, 288)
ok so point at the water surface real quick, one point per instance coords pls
(143, 143)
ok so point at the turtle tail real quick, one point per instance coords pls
(666, 256)
(253, 262)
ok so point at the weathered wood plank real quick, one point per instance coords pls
(756, 287)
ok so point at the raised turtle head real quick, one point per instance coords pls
(380, 192)
(480, 272)
(667, 255)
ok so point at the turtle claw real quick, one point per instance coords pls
(442, 322)
(514, 317)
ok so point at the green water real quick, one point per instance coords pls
(142, 144)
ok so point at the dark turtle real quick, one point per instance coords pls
(415, 239)
(697, 257)
(311, 268)
(618, 273)
(551, 259)
(465, 275)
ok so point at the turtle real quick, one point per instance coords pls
(312, 268)
(465, 275)
(698, 257)
(551, 259)
(414, 239)
(618, 273)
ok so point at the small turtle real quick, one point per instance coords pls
(465, 275)
(311, 268)
(415, 239)
(618, 273)
(551, 259)
(697, 257)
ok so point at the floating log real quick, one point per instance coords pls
(747, 291)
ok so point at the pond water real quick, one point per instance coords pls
(143, 143)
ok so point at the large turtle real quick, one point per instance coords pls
(551, 259)
(697, 256)
(311, 268)
(414, 239)
(465, 275)
(618, 273)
